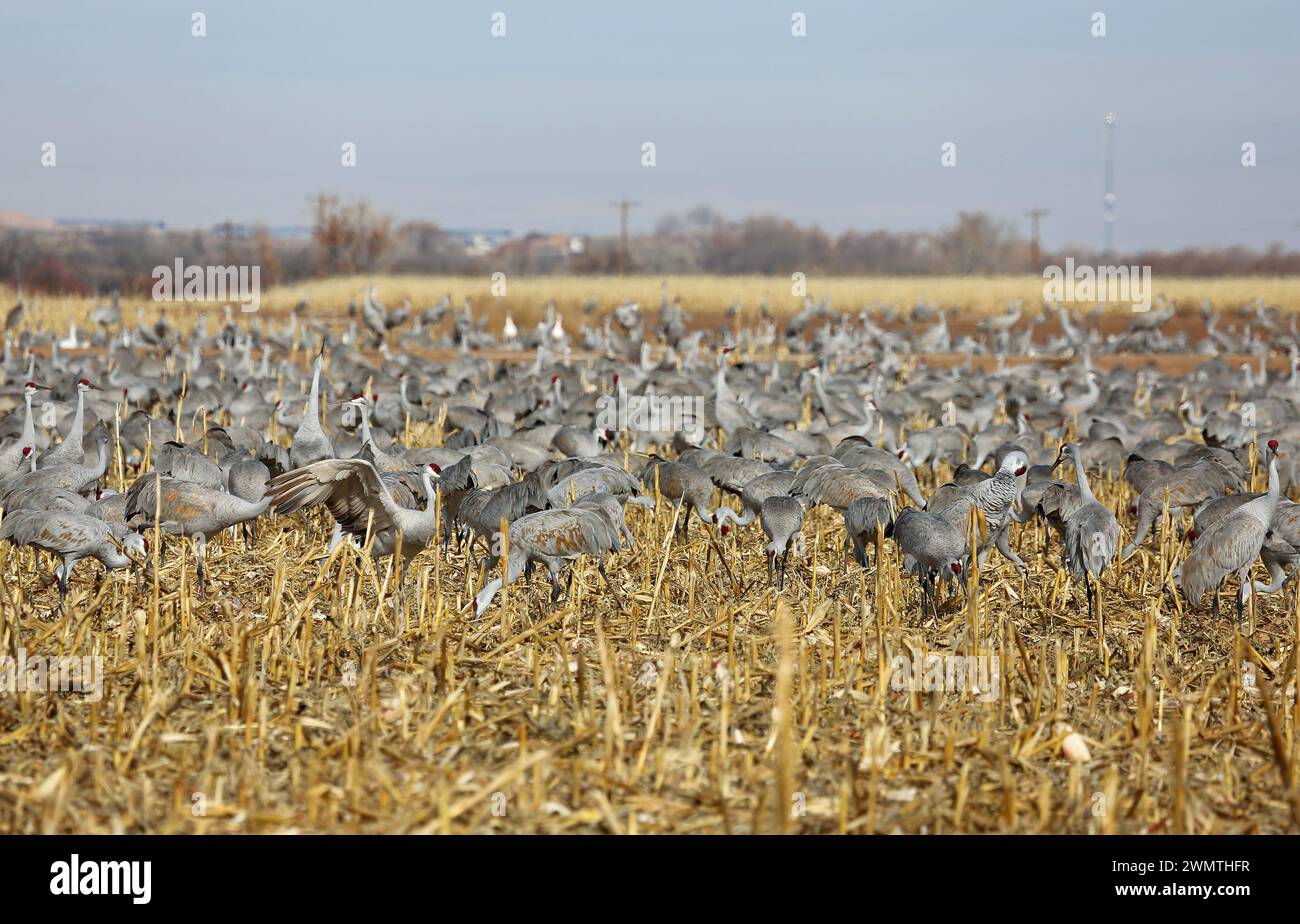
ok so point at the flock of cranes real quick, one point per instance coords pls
(211, 429)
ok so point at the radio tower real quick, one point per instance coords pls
(1108, 250)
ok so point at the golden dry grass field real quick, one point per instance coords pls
(305, 695)
(708, 296)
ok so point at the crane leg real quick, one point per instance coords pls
(1087, 583)
(1003, 544)
(1245, 592)
(618, 598)
(202, 556)
(859, 551)
(784, 557)
(62, 572)
(1214, 605)
(770, 556)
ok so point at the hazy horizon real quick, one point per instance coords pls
(542, 128)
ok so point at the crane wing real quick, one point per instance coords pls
(58, 533)
(350, 488)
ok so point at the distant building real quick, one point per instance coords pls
(542, 252)
(278, 232)
(480, 243)
(108, 224)
(19, 221)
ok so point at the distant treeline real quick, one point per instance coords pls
(349, 238)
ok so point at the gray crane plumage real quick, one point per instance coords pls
(1090, 532)
(781, 517)
(932, 547)
(1232, 544)
(72, 537)
(552, 538)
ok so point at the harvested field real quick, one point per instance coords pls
(306, 692)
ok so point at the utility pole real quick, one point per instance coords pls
(623, 206)
(1035, 251)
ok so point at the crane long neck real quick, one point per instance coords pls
(313, 400)
(29, 424)
(365, 423)
(722, 391)
(79, 419)
(102, 466)
(1084, 488)
(111, 558)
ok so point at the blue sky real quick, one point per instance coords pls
(543, 128)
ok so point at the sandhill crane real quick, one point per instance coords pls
(109, 506)
(995, 497)
(598, 479)
(578, 443)
(360, 500)
(247, 480)
(553, 537)
(932, 547)
(181, 508)
(759, 489)
(12, 455)
(74, 478)
(184, 463)
(1281, 551)
(482, 510)
(858, 453)
(72, 537)
(864, 521)
(764, 447)
(1227, 430)
(310, 444)
(686, 486)
(781, 517)
(379, 319)
(70, 450)
(15, 315)
(937, 444)
(40, 498)
(1183, 487)
(823, 480)
(109, 315)
(1091, 532)
(1140, 472)
(730, 473)
(383, 461)
(1231, 544)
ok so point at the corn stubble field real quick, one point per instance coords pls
(306, 694)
